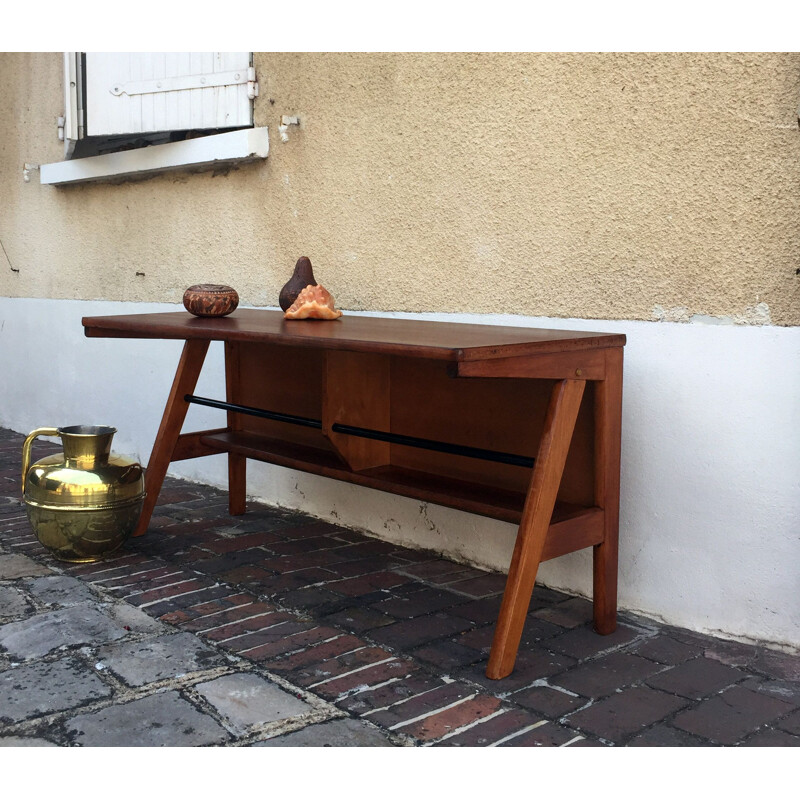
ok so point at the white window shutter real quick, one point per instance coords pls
(146, 92)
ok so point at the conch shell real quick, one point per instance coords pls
(314, 302)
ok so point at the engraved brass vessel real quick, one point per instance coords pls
(83, 503)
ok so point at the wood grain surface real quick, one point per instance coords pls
(404, 337)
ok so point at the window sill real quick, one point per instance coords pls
(234, 147)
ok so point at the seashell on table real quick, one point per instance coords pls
(314, 302)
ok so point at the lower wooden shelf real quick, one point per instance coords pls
(572, 527)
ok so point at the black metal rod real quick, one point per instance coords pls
(432, 444)
(369, 433)
(254, 412)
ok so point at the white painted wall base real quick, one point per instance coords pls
(710, 527)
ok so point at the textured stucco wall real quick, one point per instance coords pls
(608, 186)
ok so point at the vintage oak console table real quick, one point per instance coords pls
(518, 424)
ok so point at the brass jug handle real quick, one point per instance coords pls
(26, 449)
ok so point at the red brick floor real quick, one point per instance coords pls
(400, 637)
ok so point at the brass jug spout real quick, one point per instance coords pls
(87, 446)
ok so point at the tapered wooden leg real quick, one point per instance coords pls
(559, 424)
(608, 424)
(237, 484)
(237, 464)
(192, 357)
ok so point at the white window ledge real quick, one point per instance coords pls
(221, 149)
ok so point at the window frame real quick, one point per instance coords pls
(140, 154)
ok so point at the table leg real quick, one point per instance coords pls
(562, 413)
(192, 357)
(237, 464)
(608, 424)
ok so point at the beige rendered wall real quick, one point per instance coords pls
(608, 186)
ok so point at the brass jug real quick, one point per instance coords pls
(83, 503)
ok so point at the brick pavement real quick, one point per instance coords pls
(332, 636)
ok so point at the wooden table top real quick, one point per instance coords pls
(452, 341)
